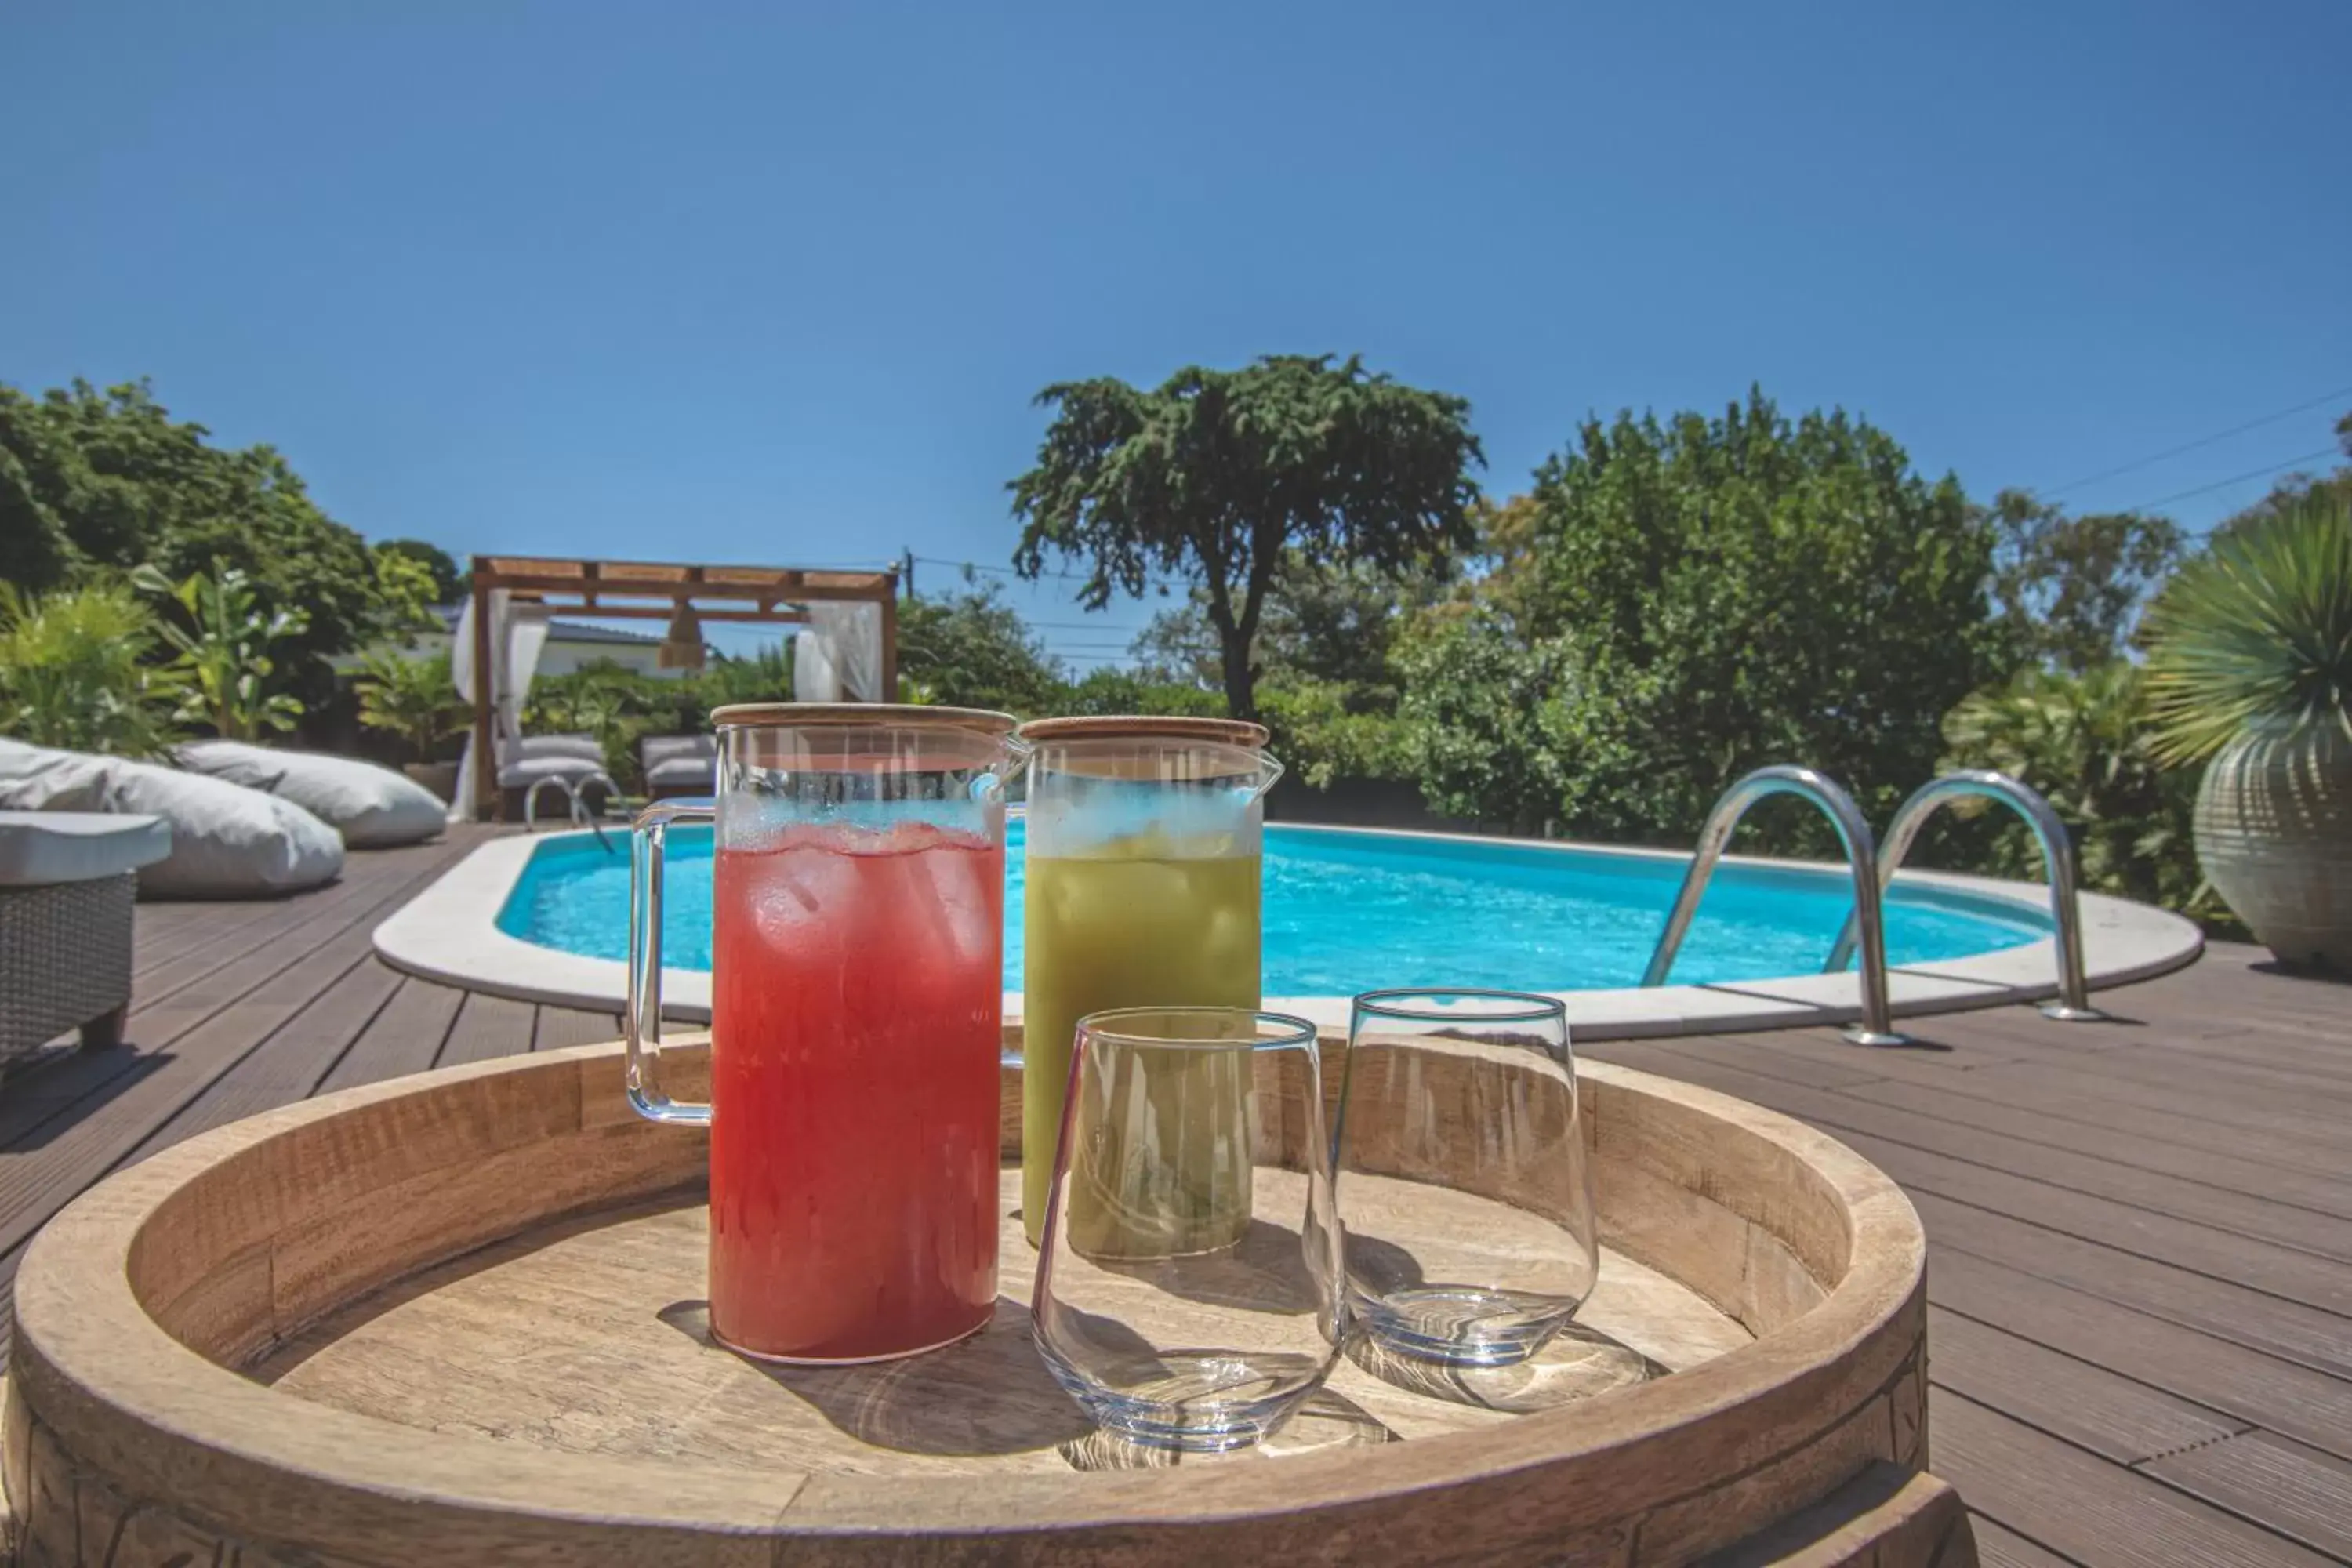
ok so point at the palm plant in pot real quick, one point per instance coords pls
(417, 699)
(2249, 671)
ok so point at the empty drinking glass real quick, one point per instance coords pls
(1167, 1333)
(1464, 1188)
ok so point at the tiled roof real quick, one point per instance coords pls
(566, 631)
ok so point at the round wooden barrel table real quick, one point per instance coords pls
(457, 1319)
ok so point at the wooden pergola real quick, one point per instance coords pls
(648, 590)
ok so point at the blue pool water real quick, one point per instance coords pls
(1348, 912)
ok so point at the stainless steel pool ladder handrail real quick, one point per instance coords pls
(576, 808)
(1877, 1027)
(531, 801)
(2073, 1003)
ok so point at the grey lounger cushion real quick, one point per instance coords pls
(524, 760)
(41, 848)
(372, 807)
(681, 762)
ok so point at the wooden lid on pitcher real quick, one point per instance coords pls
(863, 715)
(1146, 727)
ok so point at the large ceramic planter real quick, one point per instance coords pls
(2275, 836)
(441, 778)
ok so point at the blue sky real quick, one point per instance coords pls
(777, 284)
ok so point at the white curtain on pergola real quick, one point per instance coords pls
(518, 633)
(839, 657)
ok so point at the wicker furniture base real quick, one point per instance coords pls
(65, 962)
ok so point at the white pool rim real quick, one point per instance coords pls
(449, 933)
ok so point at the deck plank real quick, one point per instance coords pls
(289, 1064)
(403, 1038)
(2304, 1494)
(2238, 1173)
(2255, 1388)
(487, 1027)
(2083, 1505)
(2288, 1330)
(2090, 1407)
(2000, 1547)
(2013, 1165)
(560, 1026)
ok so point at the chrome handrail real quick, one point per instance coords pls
(579, 812)
(531, 801)
(1877, 1027)
(575, 809)
(2073, 1003)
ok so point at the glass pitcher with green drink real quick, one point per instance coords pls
(1142, 890)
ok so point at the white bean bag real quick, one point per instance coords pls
(227, 841)
(372, 807)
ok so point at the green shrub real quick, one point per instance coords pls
(2084, 742)
(1315, 734)
(72, 676)
(1107, 691)
(414, 699)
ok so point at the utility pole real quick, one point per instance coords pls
(907, 568)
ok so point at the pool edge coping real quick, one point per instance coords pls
(448, 933)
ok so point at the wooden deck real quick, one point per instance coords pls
(2141, 1231)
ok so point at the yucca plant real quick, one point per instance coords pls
(2249, 665)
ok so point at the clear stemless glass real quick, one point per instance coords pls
(1464, 1188)
(1161, 1339)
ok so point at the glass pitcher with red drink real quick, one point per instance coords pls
(856, 987)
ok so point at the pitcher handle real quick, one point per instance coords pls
(641, 1024)
(1269, 774)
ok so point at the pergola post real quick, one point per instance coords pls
(486, 761)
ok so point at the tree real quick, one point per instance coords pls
(971, 650)
(448, 582)
(92, 481)
(2287, 494)
(1215, 473)
(1695, 598)
(2068, 590)
(1324, 621)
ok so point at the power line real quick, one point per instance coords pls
(2202, 441)
(2233, 479)
(1066, 576)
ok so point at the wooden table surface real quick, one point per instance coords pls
(2140, 1232)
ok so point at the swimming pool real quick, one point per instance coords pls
(1350, 909)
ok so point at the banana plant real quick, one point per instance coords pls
(224, 661)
